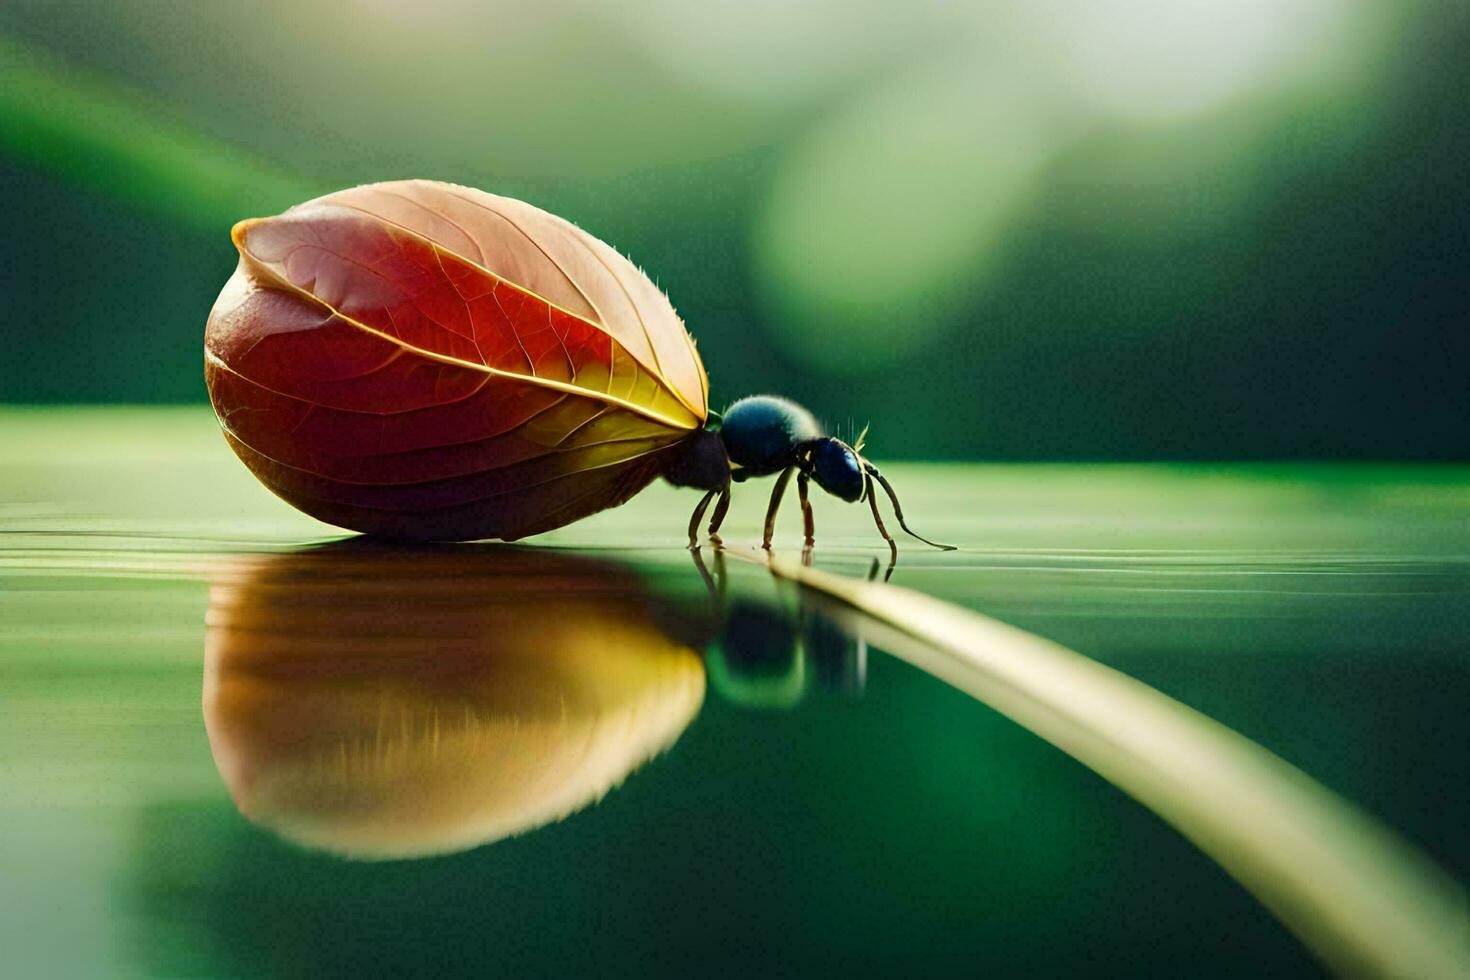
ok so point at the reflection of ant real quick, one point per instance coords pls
(764, 655)
(715, 584)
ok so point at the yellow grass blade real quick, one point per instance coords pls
(1360, 897)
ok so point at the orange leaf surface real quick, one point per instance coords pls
(425, 360)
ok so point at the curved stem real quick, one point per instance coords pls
(1362, 898)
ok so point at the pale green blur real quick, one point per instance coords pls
(1135, 228)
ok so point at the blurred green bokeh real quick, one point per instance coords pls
(1061, 229)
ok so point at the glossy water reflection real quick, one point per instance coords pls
(379, 702)
(771, 655)
(1320, 611)
(384, 704)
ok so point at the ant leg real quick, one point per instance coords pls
(898, 510)
(776, 494)
(698, 516)
(721, 507)
(878, 520)
(808, 524)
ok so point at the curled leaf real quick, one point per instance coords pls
(425, 360)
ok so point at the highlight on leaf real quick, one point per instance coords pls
(423, 360)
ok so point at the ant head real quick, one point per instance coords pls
(837, 469)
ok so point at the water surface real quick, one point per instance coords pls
(229, 746)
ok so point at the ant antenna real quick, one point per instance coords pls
(897, 508)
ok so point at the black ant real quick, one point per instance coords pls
(764, 435)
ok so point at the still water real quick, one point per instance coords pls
(231, 745)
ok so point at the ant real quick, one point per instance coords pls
(764, 435)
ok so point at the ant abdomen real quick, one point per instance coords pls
(762, 432)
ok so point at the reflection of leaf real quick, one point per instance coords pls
(428, 360)
(383, 703)
(1359, 896)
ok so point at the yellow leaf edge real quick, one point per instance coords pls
(1363, 899)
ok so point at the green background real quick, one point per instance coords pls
(1059, 230)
